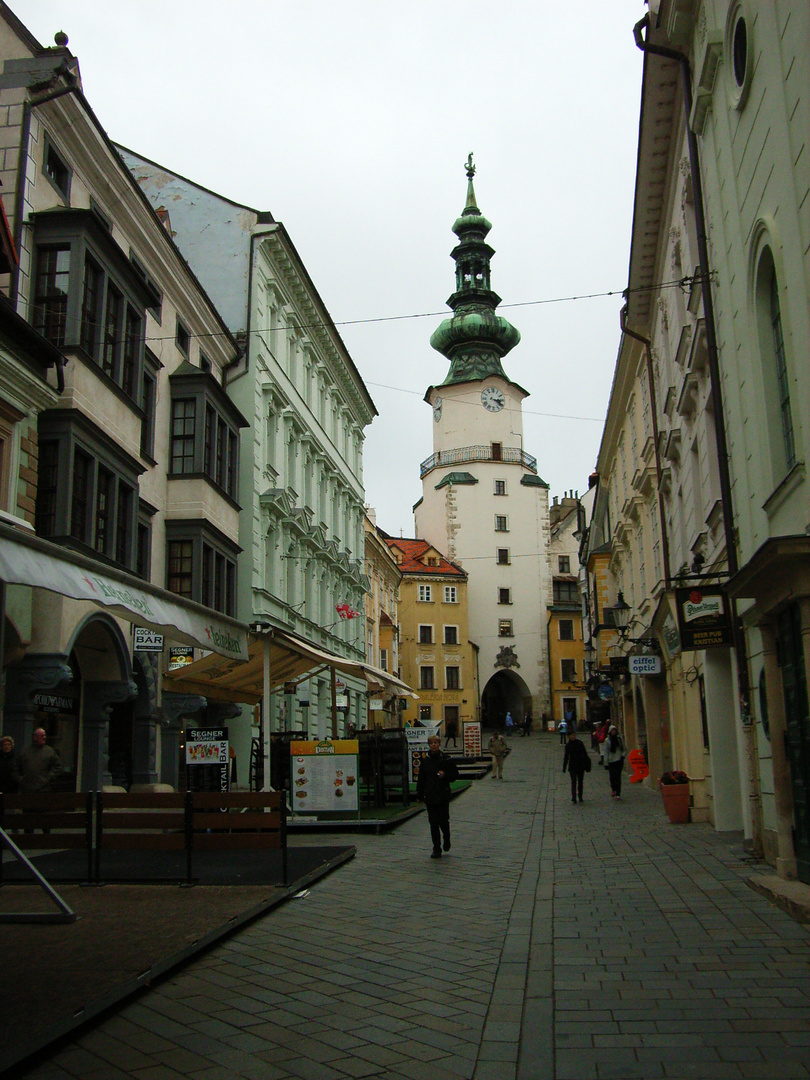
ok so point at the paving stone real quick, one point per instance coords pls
(703, 978)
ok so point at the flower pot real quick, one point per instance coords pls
(676, 802)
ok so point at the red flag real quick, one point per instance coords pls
(346, 612)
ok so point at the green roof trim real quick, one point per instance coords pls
(533, 481)
(456, 478)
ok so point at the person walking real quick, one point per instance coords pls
(600, 735)
(497, 747)
(39, 765)
(9, 767)
(563, 731)
(577, 761)
(614, 756)
(450, 731)
(510, 724)
(436, 773)
(527, 724)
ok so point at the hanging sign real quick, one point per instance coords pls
(703, 617)
(147, 640)
(644, 665)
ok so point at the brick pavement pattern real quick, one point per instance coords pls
(554, 940)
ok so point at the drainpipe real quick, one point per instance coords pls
(651, 380)
(720, 425)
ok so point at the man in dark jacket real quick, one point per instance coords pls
(577, 761)
(436, 772)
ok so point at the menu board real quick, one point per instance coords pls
(472, 738)
(324, 775)
(417, 738)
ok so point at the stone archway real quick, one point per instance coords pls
(100, 660)
(504, 692)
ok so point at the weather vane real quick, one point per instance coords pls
(470, 168)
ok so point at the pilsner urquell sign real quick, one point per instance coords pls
(703, 617)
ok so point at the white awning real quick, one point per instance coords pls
(28, 560)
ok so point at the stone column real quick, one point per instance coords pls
(173, 708)
(37, 673)
(782, 785)
(146, 723)
(98, 699)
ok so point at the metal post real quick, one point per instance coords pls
(266, 713)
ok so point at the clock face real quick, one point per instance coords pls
(437, 409)
(492, 398)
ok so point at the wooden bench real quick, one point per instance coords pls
(65, 820)
(191, 821)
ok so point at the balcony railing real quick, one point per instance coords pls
(511, 454)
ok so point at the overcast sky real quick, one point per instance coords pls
(351, 121)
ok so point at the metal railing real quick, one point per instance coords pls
(510, 454)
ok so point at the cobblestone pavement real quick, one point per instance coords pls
(560, 941)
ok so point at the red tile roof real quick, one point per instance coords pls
(412, 554)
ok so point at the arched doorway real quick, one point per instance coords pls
(102, 674)
(504, 692)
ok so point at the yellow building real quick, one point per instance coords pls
(436, 656)
(382, 629)
(565, 644)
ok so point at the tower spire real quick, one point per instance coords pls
(475, 339)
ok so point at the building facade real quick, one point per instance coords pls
(301, 476)
(382, 620)
(437, 657)
(565, 638)
(483, 502)
(136, 506)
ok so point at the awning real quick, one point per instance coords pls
(28, 560)
(290, 660)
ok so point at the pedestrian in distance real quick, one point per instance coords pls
(614, 756)
(9, 767)
(450, 731)
(600, 736)
(577, 761)
(497, 747)
(39, 765)
(527, 724)
(436, 772)
(571, 721)
(563, 731)
(510, 724)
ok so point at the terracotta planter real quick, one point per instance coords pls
(676, 802)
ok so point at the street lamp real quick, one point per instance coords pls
(621, 620)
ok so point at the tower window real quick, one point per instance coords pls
(505, 628)
(502, 556)
(500, 487)
(501, 523)
(504, 596)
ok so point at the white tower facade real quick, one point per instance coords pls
(483, 502)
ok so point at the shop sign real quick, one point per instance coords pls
(644, 665)
(56, 703)
(375, 703)
(618, 666)
(147, 640)
(207, 746)
(606, 692)
(180, 656)
(703, 617)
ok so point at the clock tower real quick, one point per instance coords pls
(483, 503)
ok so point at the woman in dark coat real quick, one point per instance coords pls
(9, 767)
(577, 761)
